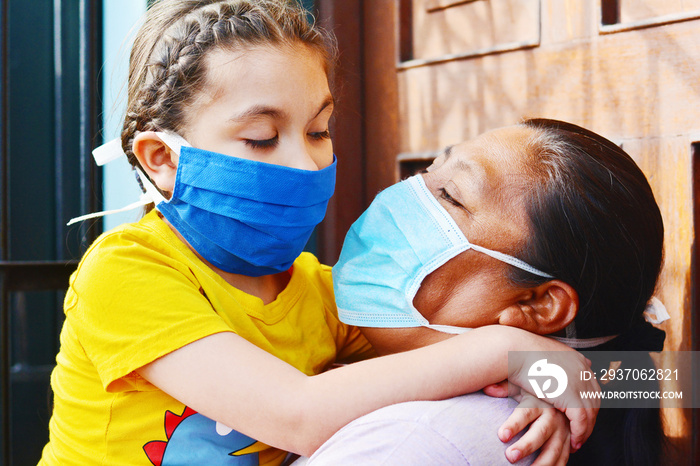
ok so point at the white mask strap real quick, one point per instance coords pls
(514, 261)
(152, 193)
(143, 200)
(112, 150)
(452, 330)
(108, 151)
(655, 311)
(174, 141)
(449, 227)
(582, 343)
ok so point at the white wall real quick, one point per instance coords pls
(120, 187)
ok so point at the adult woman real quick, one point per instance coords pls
(555, 196)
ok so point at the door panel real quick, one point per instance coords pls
(437, 72)
(639, 10)
(445, 28)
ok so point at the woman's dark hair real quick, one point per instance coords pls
(594, 224)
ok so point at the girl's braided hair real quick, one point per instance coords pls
(167, 65)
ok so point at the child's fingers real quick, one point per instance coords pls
(497, 390)
(581, 421)
(564, 458)
(555, 451)
(519, 419)
(582, 418)
(548, 433)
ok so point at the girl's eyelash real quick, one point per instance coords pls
(320, 135)
(272, 142)
(262, 144)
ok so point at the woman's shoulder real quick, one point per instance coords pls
(461, 430)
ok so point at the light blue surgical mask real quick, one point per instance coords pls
(403, 236)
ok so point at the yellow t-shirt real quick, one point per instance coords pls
(140, 293)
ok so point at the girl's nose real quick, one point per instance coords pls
(305, 162)
(305, 158)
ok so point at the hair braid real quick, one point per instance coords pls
(167, 65)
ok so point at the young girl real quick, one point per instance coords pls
(201, 331)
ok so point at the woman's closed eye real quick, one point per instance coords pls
(446, 196)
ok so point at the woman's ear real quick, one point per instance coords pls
(544, 310)
(157, 159)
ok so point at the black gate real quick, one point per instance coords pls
(49, 121)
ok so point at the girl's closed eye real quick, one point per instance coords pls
(320, 135)
(263, 143)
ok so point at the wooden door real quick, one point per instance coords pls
(422, 74)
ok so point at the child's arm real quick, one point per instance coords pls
(230, 380)
(396, 340)
(547, 432)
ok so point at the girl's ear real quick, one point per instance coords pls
(157, 159)
(544, 310)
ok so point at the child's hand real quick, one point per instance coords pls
(498, 390)
(581, 412)
(549, 432)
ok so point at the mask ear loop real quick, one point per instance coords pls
(514, 261)
(655, 313)
(175, 142)
(144, 200)
(152, 194)
(104, 154)
(111, 151)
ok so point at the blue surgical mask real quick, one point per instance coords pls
(243, 216)
(403, 236)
